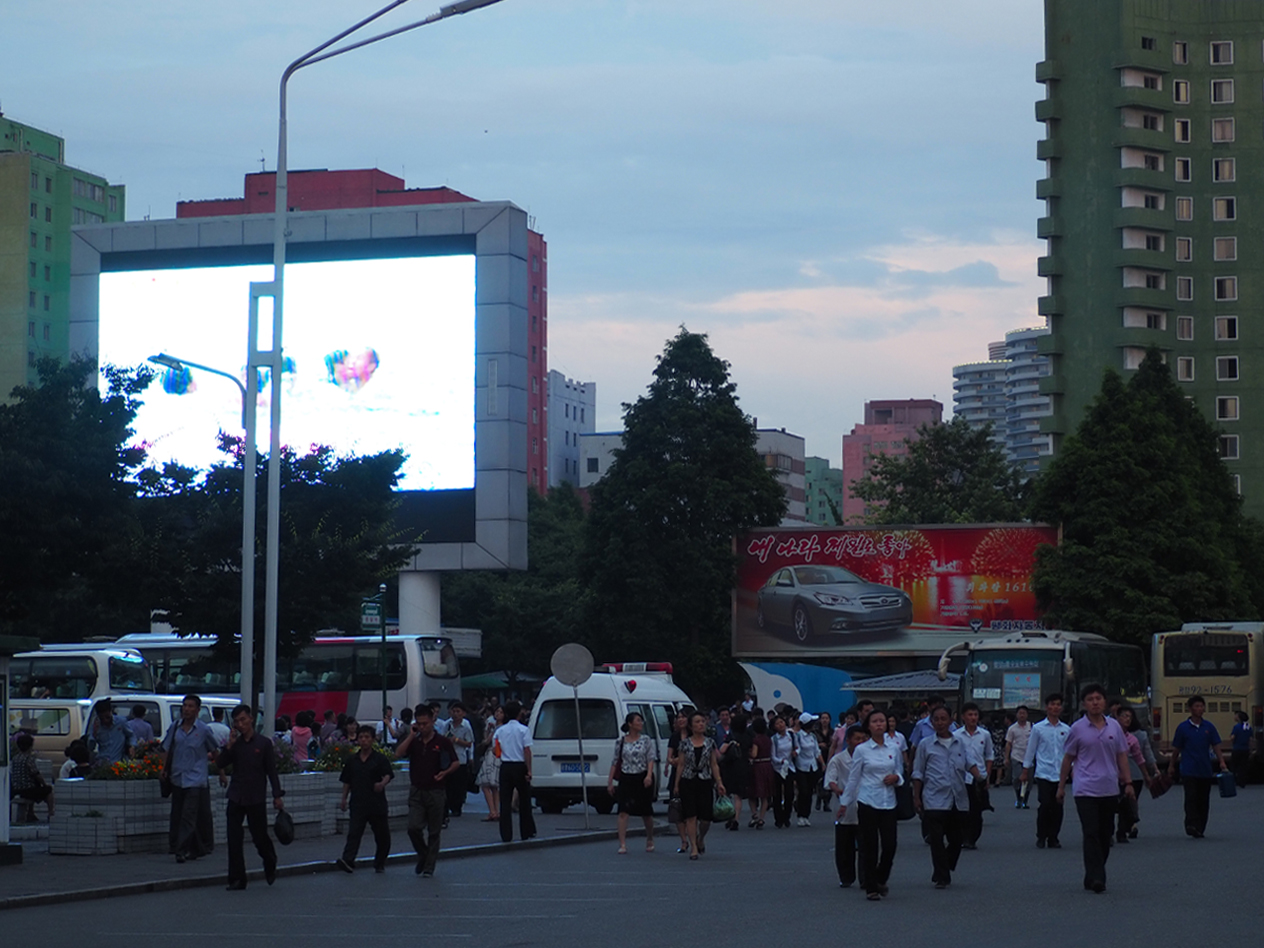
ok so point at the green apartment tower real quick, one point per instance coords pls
(41, 197)
(1154, 220)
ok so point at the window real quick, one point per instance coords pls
(48, 185)
(48, 332)
(1154, 281)
(1228, 447)
(32, 269)
(1222, 91)
(1149, 81)
(1183, 169)
(592, 465)
(113, 203)
(1227, 369)
(48, 273)
(535, 294)
(1152, 162)
(1185, 328)
(1226, 288)
(1154, 202)
(1226, 248)
(1224, 209)
(30, 299)
(34, 181)
(48, 215)
(48, 244)
(1222, 130)
(1152, 121)
(1185, 369)
(535, 445)
(1237, 484)
(47, 302)
(1148, 42)
(1227, 408)
(1226, 328)
(1180, 53)
(1222, 53)
(535, 261)
(1223, 169)
(1184, 288)
(1154, 241)
(1156, 321)
(1183, 133)
(30, 359)
(534, 354)
(1184, 249)
(33, 240)
(1180, 91)
(30, 329)
(34, 211)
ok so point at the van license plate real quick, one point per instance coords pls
(574, 768)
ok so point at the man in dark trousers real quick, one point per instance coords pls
(1194, 744)
(253, 760)
(514, 740)
(364, 778)
(431, 760)
(940, 768)
(189, 745)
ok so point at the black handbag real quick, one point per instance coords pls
(283, 828)
(904, 808)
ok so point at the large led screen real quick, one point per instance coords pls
(379, 354)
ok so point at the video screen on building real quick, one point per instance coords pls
(379, 354)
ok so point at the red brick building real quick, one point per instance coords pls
(323, 190)
(888, 425)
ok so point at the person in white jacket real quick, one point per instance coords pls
(877, 768)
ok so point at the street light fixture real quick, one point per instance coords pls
(273, 357)
(248, 476)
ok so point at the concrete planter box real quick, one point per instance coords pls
(84, 835)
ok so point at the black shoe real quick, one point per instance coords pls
(180, 857)
(1098, 887)
(883, 891)
(1197, 834)
(1190, 831)
(941, 885)
(1121, 837)
(1040, 844)
(969, 846)
(420, 867)
(844, 885)
(344, 865)
(236, 886)
(1054, 844)
(269, 874)
(379, 869)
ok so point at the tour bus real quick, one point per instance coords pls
(1003, 672)
(338, 673)
(604, 700)
(72, 672)
(1221, 661)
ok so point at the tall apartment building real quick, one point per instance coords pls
(572, 412)
(887, 427)
(41, 198)
(1154, 193)
(1005, 390)
(323, 190)
(824, 487)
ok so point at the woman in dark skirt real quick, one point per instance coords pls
(735, 767)
(633, 770)
(698, 778)
(761, 773)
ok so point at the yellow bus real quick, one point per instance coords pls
(1222, 661)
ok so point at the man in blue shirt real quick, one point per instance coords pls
(189, 745)
(108, 734)
(1193, 745)
(940, 768)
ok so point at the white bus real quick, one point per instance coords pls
(79, 671)
(1222, 661)
(1003, 672)
(338, 673)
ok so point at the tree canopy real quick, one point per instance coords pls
(658, 556)
(1153, 532)
(952, 473)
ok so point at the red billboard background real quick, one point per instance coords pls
(976, 576)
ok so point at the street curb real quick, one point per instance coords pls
(305, 869)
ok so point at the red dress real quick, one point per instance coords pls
(761, 769)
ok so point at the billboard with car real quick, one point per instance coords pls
(819, 591)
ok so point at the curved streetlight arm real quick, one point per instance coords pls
(171, 362)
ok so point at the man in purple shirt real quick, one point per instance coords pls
(1098, 750)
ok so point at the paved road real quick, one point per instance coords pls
(751, 888)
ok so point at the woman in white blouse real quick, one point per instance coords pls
(877, 768)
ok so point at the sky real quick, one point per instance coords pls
(840, 194)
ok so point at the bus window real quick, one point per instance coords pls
(324, 668)
(1203, 656)
(1118, 669)
(130, 673)
(557, 720)
(439, 658)
(368, 667)
(197, 671)
(53, 677)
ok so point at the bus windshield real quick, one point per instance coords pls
(130, 673)
(1006, 678)
(1202, 656)
(439, 658)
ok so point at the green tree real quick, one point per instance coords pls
(658, 558)
(952, 473)
(526, 615)
(67, 502)
(1153, 532)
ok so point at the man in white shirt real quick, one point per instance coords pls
(218, 728)
(1016, 738)
(942, 765)
(459, 731)
(1044, 759)
(514, 739)
(845, 826)
(980, 740)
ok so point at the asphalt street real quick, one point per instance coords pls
(774, 887)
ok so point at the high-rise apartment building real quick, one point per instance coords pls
(887, 427)
(1154, 193)
(322, 190)
(824, 488)
(572, 411)
(41, 198)
(1005, 391)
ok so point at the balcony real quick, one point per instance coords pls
(1157, 100)
(1049, 187)
(1047, 109)
(1050, 344)
(1049, 227)
(1146, 138)
(1053, 385)
(1145, 298)
(1048, 148)
(1145, 217)
(1048, 71)
(1147, 259)
(1050, 306)
(1050, 266)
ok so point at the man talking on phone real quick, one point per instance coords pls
(431, 760)
(253, 760)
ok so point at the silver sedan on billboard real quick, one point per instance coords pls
(826, 600)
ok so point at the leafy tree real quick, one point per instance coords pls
(1153, 532)
(658, 556)
(67, 504)
(526, 615)
(952, 473)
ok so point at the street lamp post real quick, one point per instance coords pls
(276, 290)
(248, 694)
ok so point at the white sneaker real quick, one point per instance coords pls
(807, 821)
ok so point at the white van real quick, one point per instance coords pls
(604, 700)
